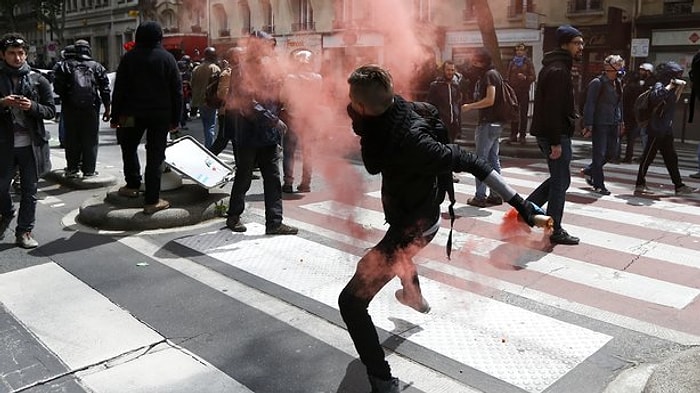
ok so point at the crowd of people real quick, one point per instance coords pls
(411, 145)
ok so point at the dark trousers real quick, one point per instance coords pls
(267, 158)
(81, 138)
(604, 144)
(663, 144)
(23, 158)
(391, 257)
(290, 142)
(631, 135)
(129, 139)
(520, 127)
(553, 190)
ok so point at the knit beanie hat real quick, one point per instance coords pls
(566, 33)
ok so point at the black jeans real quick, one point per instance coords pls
(267, 158)
(392, 256)
(23, 158)
(129, 139)
(81, 138)
(520, 126)
(664, 144)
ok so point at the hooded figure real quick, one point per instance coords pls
(82, 50)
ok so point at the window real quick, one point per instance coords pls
(519, 7)
(245, 16)
(421, 10)
(677, 7)
(221, 19)
(268, 17)
(585, 5)
(303, 15)
(468, 12)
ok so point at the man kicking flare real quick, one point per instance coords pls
(398, 143)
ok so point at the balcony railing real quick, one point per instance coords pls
(678, 8)
(304, 26)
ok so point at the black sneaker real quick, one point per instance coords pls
(384, 386)
(234, 223)
(90, 174)
(72, 174)
(288, 189)
(588, 178)
(601, 191)
(282, 229)
(563, 237)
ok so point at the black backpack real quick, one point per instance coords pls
(643, 110)
(445, 184)
(506, 107)
(81, 93)
(210, 93)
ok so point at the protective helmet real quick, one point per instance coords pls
(647, 66)
(303, 56)
(210, 53)
(186, 58)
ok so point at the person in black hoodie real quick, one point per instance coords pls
(553, 121)
(147, 98)
(402, 146)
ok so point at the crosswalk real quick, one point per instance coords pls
(509, 312)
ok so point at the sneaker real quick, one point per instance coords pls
(494, 199)
(25, 240)
(588, 178)
(287, 189)
(685, 190)
(128, 192)
(563, 237)
(72, 173)
(420, 305)
(282, 229)
(5, 221)
(477, 202)
(162, 204)
(175, 135)
(455, 179)
(601, 191)
(522, 140)
(303, 188)
(90, 174)
(695, 175)
(642, 189)
(384, 386)
(234, 223)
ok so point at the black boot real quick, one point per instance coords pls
(384, 386)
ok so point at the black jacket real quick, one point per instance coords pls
(64, 80)
(446, 97)
(400, 145)
(148, 82)
(555, 112)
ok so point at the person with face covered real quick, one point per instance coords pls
(663, 101)
(636, 84)
(553, 120)
(401, 145)
(520, 75)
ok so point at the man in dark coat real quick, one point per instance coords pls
(444, 93)
(399, 144)
(81, 116)
(147, 98)
(520, 75)
(26, 102)
(553, 121)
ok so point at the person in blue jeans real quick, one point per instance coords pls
(553, 123)
(487, 81)
(602, 120)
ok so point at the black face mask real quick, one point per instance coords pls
(475, 72)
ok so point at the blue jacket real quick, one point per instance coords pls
(603, 107)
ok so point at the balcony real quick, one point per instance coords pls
(679, 7)
(303, 26)
(584, 8)
(224, 33)
(270, 29)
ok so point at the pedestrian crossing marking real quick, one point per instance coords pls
(600, 277)
(110, 349)
(534, 342)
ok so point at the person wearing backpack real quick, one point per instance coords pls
(83, 86)
(205, 78)
(26, 100)
(694, 93)
(602, 120)
(399, 144)
(662, 104)
(488, 130)
(521, 75)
